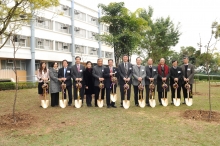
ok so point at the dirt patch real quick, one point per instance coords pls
(22, 121)
(215, 85)
(202, 115)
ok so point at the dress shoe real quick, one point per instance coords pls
(136, 104)
(96, 105)
(114, 106)
(183, 103)
(69, 104)
(121, 106)
(108, 106)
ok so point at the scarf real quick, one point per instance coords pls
(166, 69)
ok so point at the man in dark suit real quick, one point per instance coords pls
(151, 76)
(175, 76)
(188, 76)
(125, 72)
(77, 75)
(163, 77)
(110, 72)
(98, 75)
(65, 74)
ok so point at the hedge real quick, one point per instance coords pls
(205, 77)
(21, 85)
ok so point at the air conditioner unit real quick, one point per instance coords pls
(77, 29)
(93, 19)
(76, 46)
(94, 49)
(10, 61)
(65, 8)
(91, 53)
(109, 54)
(93, 33)
(65, 46)
(22, 37)
(40, 19)
(64, 27)
(16, 38)
(76, 12)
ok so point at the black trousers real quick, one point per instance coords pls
(69, 89)
(97, 91)
(185, 91)
(123, 93)
(81, 93)
(137, 95)
(174, 94)
(160, 95)
(148, 93)
(108, 99)
(54, 99)
(89, 99)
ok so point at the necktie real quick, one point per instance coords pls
(78, 67)
(64, 72)
(111, 72)
(126, 68)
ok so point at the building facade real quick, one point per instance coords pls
(56, 34)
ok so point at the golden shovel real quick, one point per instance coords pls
(188, 101)
(78, 101)
(113, 95)
(126, 103)
(100, 101)
(164, 100)
(141, 101)
(176, 101)
(152, 101)
(63, 102)
(45, 102)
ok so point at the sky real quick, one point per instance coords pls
(195, 16)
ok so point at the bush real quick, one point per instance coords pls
(21, 85)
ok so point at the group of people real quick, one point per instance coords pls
(126, 73)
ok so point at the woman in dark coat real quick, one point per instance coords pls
(89, 83)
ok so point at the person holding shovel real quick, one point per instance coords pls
(139, 75)
(42, 76)
(162, 78)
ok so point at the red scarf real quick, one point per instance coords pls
(166, 70)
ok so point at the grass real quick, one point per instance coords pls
(102, 127)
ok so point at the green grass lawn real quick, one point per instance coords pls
(104, 127)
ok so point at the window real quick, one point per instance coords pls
(62, 27)
(64, 9)
(60, 46)
(80, 32)
(108, 55)
(44, 23)
(9, 64)
(92, 20)
(44, 44)
(106, 28)
(91, 35)
(79, 15)
(92, 51)
(80, 49)
(102, 54)
(24, 41)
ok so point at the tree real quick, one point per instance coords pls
(158, 41)
(125, 28)
(15, 13)
(210, 47)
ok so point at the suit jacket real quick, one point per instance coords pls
(138, 73)
(122, 73)
(107, 77)
(68, 75)
(97, 73)
(76, 74)
(190, 73)
(176, 73)
(154, 75)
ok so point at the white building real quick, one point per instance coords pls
(53, 37)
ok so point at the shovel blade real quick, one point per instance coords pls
(164, 101)
(142, 103)
(113, 97)
(63, 103)
(176, 101)
(100, 103)
(189, 101)
(78, 103)
(45, 103)
(126, 104)
(152, 103)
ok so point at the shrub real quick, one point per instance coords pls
(21, 85)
